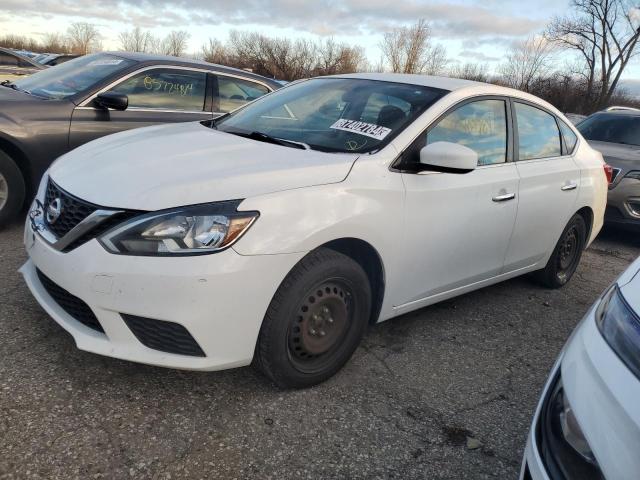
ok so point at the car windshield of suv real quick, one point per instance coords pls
(72, 77)
(612, 128)
(333, 114)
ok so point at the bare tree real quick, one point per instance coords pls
(83, 38)
(526, 62)
(470, 71)
(136, 40)
(604, 34)
(55, 43)
(175, 43)
(215, 52)
(410, 50)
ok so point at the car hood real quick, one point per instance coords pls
(624, 157)
(184, 164)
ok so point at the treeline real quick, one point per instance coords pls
(284, 58)
(576, 63)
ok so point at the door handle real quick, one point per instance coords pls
(504, 197)
(569, 186)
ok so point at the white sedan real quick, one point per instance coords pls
(280, 232)
(587, 425)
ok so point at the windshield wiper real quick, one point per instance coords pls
(263, 137)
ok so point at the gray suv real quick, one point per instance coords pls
(616, 134)
(57, 109)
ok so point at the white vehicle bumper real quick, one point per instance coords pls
(603, 395)
(220, 300)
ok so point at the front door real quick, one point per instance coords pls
(156, 95)
(458, 225)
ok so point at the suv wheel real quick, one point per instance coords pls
(566, 256)
(315, 320)
(12, 189)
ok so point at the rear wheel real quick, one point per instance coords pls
(566, 255)
(315, 320)
(12, 189)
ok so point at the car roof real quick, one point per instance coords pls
(169, 60)
(469, 87)
(15, 53)
(444, 83)
(621, 113)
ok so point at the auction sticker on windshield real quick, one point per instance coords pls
(363, 128)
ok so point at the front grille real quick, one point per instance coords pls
(165, 336)
(75, 307)
(73, 210)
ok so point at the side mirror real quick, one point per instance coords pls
(115, 101)
(449, 157)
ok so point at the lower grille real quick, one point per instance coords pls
(75, 307)
(165, 336)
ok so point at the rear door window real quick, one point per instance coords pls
(235, 92)
(538, 134)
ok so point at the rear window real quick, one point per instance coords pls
(612, 128)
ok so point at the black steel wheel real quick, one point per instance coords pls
(315, 321)
(566, 255)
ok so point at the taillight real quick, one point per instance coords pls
(608, 171)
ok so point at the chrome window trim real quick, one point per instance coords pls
(88, 100)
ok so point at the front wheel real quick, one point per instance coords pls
(12, 189)
(315, 320)
(566, 255)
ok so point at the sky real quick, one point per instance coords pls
(470, 30)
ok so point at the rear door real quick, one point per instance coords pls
(549, 182)
(157, 95)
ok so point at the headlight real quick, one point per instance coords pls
(620, 327)
(191, 230)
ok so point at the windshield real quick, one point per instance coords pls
(72, 77)
(612, 128)
(334, 114)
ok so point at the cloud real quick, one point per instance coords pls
(478, 57)
(323, 17)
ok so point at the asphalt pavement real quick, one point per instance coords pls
(446, 392)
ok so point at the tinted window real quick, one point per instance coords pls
(170, 89)
(538, 133)
(481, 126)
(235, 92)
(72, 77)
(570, 138)
(326, 113)
(607, 127)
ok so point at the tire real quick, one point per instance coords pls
(12, 189)
(566, 255)
(315, 321)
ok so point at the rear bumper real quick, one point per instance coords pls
(219, 299)
(623, 204)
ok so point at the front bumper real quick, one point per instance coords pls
(623, 204)
(220, 299)
(603, 395)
